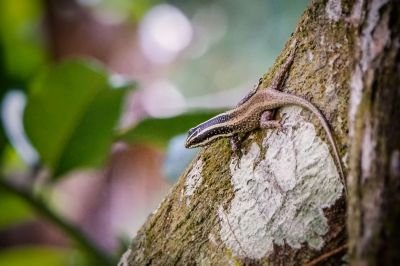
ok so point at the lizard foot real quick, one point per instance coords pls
(237, 164)
(267, 122)
(281, 123)
(236, 150)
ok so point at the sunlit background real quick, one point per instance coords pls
(96, 96)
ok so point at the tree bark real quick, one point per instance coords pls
(374, 178)
(286, 205)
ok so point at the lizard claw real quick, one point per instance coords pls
(237, 164)
(281, 123)
(237, 155)
(284, 117)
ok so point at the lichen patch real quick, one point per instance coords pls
(193, 180)
(279, 198)
(333, 10)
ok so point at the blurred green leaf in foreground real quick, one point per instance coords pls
(20, 210)
(159, 131)
(71, 115)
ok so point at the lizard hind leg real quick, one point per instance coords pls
(267, 121)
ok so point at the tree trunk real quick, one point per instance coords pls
(285, 204)
(374, 178)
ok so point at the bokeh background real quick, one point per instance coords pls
(96, 97)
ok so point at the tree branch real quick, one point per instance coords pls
(72, 231)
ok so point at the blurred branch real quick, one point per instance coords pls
(72, 231)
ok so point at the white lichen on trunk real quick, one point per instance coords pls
(193, 180)
(279, 198)
(334, 10)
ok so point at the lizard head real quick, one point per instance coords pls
(208, 131)
(192, 139)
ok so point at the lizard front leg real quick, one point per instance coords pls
(236, 143)
(236, 146)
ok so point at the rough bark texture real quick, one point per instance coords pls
(374, 180)
(285, 204)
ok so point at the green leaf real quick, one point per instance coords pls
(14, 210)
(22, 37)
(158, 131)
(71, 115)
(36, 255)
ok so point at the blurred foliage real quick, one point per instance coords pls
(71, 115)
(39, 256)
(3, 89)
(22, 49)
(126, 8)
(12, 162)
(159, 131)
(20, 210)
(21, 38)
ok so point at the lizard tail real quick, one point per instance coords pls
(291, 99)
